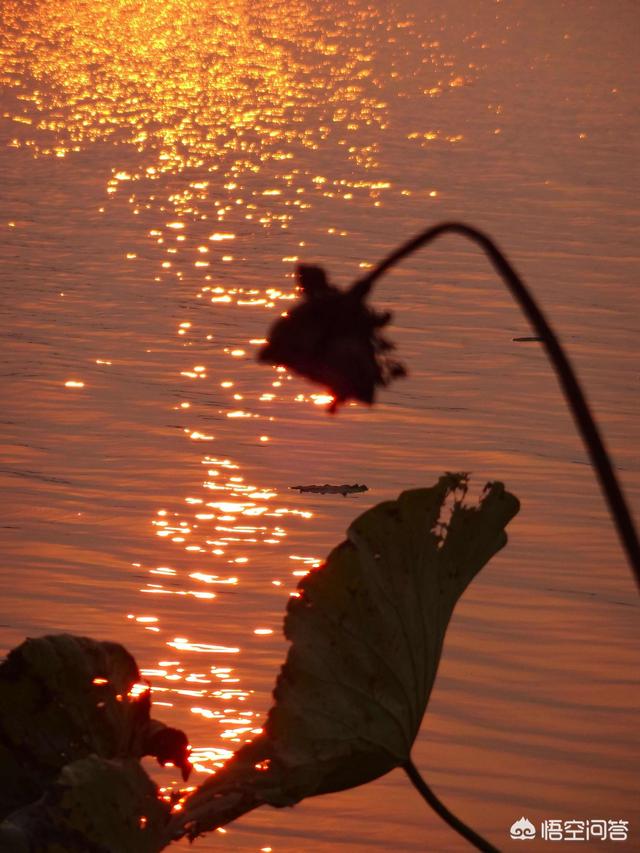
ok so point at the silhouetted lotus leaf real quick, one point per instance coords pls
(333, 338)
(64, 698)
(94, 806)
(366, 634)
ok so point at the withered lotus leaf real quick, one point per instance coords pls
(366, 633)
(95, 805)
(66, 701)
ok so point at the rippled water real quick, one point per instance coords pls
(164, 165)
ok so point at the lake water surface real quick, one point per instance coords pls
(163, 165)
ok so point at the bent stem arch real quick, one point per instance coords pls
(568, 380)
(440, 809)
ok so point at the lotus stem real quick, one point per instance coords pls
(440, 809)
(572, 389)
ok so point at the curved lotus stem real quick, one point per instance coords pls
(573, 392)
(440, 809)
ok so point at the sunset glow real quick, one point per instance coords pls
(168, 166)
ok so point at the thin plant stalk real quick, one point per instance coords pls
(440, 809)
(574, 395)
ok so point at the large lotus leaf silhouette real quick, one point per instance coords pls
(366, 637)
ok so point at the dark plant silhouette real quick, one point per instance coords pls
(366, 630)
(74, 723)
(332, 337)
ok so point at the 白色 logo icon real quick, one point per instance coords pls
(522, 830)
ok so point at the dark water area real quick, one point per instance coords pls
(163, 166)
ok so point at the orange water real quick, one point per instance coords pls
(164, 164)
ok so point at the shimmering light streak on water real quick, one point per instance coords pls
(167, 164)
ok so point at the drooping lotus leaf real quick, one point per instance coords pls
(65, 698)
(366, 637)
(94, 806)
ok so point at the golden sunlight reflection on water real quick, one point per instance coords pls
(231, 523)
(168, 163)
